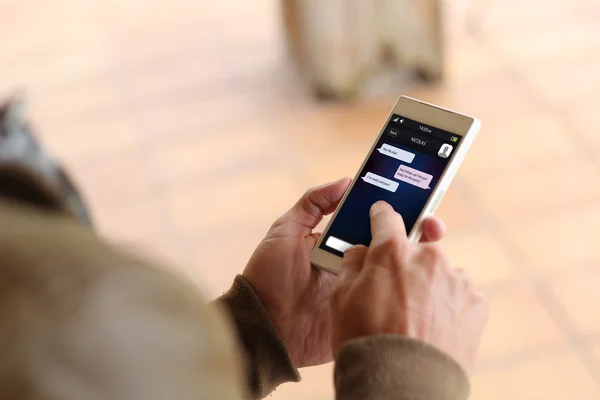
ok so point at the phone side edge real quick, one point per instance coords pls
(446, 180)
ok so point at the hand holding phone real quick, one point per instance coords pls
(409, 289)
(294, 294)
(410, 166)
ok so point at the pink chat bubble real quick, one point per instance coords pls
(413, 177)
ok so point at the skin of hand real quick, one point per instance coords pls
(398, 287)
(295, 294)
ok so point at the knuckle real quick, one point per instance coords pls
(480, 297)
(463, 276)
(310, 201)
(354, 251)
(389, 244)
(340, 294)
(309, 193)
(312, 196)
(433, 254)
(479, 300)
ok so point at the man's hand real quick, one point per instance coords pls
(295, 294)
(408, 289)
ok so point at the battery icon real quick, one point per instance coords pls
(454, 139)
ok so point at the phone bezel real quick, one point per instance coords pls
(429, 114)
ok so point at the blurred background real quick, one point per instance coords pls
(191, 128)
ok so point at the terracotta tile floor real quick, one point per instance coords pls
(190, 134)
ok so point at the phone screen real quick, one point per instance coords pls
(403, 170)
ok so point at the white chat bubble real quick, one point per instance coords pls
(396, 153)
(413, 177)
(381, 182)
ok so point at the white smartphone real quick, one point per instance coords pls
(411, 164)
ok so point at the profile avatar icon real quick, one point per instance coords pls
(445, 150)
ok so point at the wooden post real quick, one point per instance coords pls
(339, 44)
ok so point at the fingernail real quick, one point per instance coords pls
(378, 207)
(442, 226)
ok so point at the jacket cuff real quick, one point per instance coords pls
(395, 367)
(270, 362)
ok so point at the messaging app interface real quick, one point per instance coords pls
(403, 170)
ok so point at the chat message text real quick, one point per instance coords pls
(381, 182)
(413, 177)
(396, 153)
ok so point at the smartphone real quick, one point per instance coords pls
(411, 164)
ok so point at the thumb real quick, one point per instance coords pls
(316, 203)
(386, 223)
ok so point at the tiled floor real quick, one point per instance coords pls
(190, 135)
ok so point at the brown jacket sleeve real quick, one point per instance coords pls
(269, 362)
(392, 367)
(383, 367)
